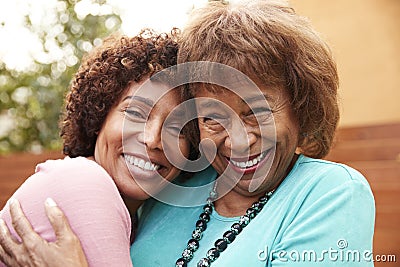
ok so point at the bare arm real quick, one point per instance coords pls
(34, 250)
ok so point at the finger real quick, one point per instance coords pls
(11, 251)
(59, 221)
(8, 260)
(5, 258)
(21, 224)
(8, 244)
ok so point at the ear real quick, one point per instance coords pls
(298, 150)
(301, 141)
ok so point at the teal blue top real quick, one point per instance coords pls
(322, 214)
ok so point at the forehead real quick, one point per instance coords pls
(243, 94)
(152, 97)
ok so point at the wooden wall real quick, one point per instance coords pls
(373, 150)
(364, 37)
(15, 168)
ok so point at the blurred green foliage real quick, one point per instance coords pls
(31, 101)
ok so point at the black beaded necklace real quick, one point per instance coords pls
(228, 237)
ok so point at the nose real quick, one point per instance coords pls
(240, 138)
(151, 136)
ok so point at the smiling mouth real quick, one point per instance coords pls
(141, 163)
(248, 163)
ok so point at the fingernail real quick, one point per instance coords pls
(50, 202)
(13, 201)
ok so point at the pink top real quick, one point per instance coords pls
(90, 200)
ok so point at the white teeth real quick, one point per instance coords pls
(154, 167)
(145, 165)
(249, 163)
(141, 164)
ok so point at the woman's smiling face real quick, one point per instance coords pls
(255, 139)
(129, 146)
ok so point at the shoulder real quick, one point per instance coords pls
(81, 188)
(316, 183)
(70, 165)
(316, 171)
(319, 203)
(71, 171)
(68, 179)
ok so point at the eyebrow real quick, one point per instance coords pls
(258, 97)
(147, 101)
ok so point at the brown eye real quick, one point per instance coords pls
(209, 120)
(212, 120)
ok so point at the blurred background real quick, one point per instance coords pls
(42, 42)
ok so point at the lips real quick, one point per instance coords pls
(141, 163)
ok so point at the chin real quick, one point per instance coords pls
(136, 194)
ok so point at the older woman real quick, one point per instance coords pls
(112, 150)
(303, 211)
(275, 202)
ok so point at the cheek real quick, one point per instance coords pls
(110, 137)
(101, 141)
(292, 130)
(114, 129)
(287, 142)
